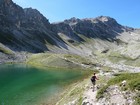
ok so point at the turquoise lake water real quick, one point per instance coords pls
(24, 85)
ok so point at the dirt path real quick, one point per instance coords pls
(90, 96)
(113, 95)
(82, 93)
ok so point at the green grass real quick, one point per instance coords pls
(133, 62)
(115, 56)
(107, 69)
(131, 78)
(74, 92)
(132, 83)
(5, 50)
(80, 100)
(58, 60)
(137, 98)
(77, 58)
(100, 93)
(50, 60)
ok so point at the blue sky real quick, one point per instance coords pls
(126, 12)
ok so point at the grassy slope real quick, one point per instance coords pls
(74, 93)
(5, 50)
(58, 60)
(133, 84)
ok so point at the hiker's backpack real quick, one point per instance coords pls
(93, 78)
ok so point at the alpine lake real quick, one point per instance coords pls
(26, 85)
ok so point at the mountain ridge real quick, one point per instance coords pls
(27, 30)
(21, 25)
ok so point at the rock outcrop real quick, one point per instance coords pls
(25, 29)
(102, 27)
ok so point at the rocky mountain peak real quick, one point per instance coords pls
(34, 13)
(6, 1)
(105, 18)
(72, 21)
(108, 20)
(35, 18)
(31, 10)
(24, 29)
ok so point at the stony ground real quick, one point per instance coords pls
(90, 96)
(13, 58)
(113, 94)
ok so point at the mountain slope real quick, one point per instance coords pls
(104, 32)
(25, 29)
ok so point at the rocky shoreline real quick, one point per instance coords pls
(13, 58)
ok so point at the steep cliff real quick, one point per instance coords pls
(25, 29)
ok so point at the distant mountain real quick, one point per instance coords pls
(28, 30)
(103, 30)
(102, 27)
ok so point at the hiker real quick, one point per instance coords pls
(93, 80)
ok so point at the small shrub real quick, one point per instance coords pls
(101, 92)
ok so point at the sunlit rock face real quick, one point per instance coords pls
(102, 27)
(25, 29)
